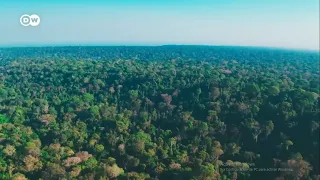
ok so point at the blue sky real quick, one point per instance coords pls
(281, 23)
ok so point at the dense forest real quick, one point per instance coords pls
(166, 112)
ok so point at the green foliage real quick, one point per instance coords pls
(273, 91)
(99, 148)
(122, 125)
(170, 112)
(18, 116)
(94, 111)
(252, 89)
(3, 93)
(3, 119)
(88, 97)
(91, 163)
(142, 136)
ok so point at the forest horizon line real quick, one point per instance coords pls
(158, 45)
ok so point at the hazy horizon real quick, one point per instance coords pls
(286, 24)
(145, 45)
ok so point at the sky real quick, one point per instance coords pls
(269, 23)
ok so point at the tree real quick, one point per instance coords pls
(273, 91)
(31, 163)
(299, 169)
(314, 126)
(286, 144)
(215, 93)
(9, 150)
(19, 176)
(207, 172)
(3, 93)
(252, 90)
(88, 98)
(169, 112)
(268, 128)
(233, 148)
(99, 148)
(113, 171)
(3, 119)
(18, 116)
(203, 128)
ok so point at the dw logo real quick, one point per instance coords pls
(33, 20)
